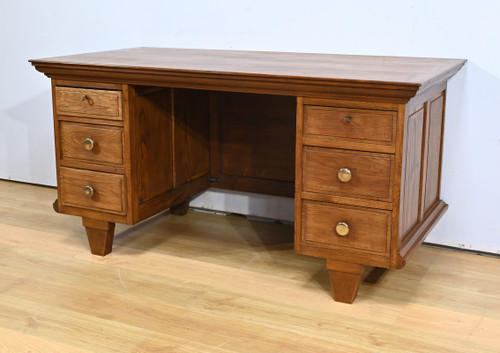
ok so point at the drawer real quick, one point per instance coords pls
(92, 143)
(106, 192)
(368, 229)
(347, 173)
(372, 126)
(91, 103)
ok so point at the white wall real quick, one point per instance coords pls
(436, 28)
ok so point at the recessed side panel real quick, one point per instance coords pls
(412, 172)
(433, 170)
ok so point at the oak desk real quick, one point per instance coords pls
(357, 140)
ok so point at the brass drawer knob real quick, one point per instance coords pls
(342, 229)
(88, 144)
(88, 191)
(344, 175)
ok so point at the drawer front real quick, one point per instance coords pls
(108, 190)
(91, 103)
(371, 126)
(347, 173)
(92, 143)
(368, 229)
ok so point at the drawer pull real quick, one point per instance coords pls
(88, 191)
(344, 175)
(88, 144)
(347, 119)
(87, 99)
(342, 229)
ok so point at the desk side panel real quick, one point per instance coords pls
(169, 147)
(152, 127)
(421, 173)
(191, 134)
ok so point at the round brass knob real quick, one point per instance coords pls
(88, 144)
(88, 191)
(347, 119)
(344, 175)
(342, 229)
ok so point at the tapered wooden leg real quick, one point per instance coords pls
(100, 235)
(180, 209)
(345, 278)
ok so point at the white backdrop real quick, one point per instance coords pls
(434, 28)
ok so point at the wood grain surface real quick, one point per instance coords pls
(295, 74)
(371, 173)
(107, 143)
(109, 190)
(91, 103)
(401, 70)
(368, 126)
(368, 228)
(208, 283)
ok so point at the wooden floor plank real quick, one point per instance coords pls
(14, 341)
(209, 283)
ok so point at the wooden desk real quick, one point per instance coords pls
(357, 140)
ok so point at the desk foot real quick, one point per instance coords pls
(180, 209)
(100, 235)
(375, 275)
(345, 278)
(55, 205)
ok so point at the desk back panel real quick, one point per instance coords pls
(255, 143)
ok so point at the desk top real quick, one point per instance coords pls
(265, 72)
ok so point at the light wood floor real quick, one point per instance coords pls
(209, 283)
